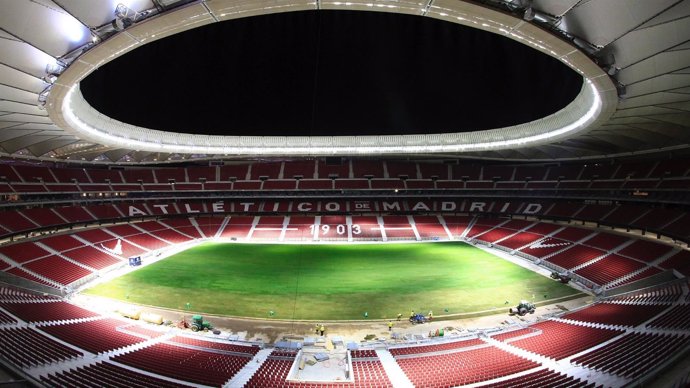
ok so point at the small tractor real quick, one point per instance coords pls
(418, 318)
(198, 323)
(562, 277)
(523, 308)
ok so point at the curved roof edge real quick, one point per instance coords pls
(594, 105)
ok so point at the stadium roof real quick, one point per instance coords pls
(641, 48)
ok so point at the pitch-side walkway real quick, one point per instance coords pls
(395, 374)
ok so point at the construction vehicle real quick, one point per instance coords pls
(523, 308)
(182, 324)
(198, 323)
(562, 277)
(417, 318)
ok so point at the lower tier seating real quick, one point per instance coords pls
(609, 268)
(367, 372)
(105, 374)
(541, 379)
(103, 335)
(58, 269)
(568, 247)
(464, 367)
(664, 295)
(92, 257)
(444, 347)
(676, 318)
(559, 340)
(228, 347)
(6, 319)
(193, 365)
(577, 255)
(616, 314)
(13, 294)
(26, 347)
(45, 312)
(634, 354)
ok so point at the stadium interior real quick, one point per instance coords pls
(108, 167)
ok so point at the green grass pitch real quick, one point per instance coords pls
(332, 282)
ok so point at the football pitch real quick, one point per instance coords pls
(332, 282)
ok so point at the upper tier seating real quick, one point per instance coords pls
(365, 169)
(233, 172)
(166, 175)
(138, 176)
(70, 175)
(300, 169)
(570, 175)
(434, 171)
(407, 170)
(268, 170)
(333, 170)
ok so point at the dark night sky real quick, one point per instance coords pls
(331, 73)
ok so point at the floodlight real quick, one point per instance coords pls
(43, 96)
(529, 14)
(49, 78)
(124, 17)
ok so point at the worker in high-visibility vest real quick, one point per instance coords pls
(322, 329)
(431, 315)
(390, 325)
